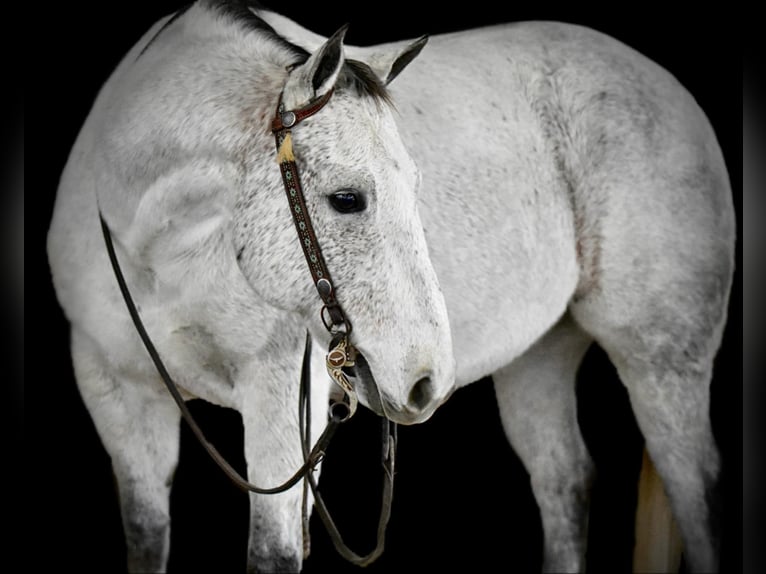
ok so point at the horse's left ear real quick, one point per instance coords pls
(388, 64)
(317, 75)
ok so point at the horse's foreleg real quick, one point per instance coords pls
(536, 397)
(139, 428)
(272, 451)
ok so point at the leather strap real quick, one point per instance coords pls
(286, 120)
(389, 440)
(316, 454)
(388, 457)
(281, 127)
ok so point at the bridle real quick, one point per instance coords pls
(341, 355)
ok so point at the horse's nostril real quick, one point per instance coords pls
(420, 395)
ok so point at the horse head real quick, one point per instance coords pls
(360, 187)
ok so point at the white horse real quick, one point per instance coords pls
(178, 156)
(586, 200)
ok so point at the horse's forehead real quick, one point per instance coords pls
(368, 125)
(348, 112)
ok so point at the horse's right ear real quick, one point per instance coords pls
(317, 75)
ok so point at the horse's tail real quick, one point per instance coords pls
(658, 543)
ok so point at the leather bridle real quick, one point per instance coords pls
(340, 355)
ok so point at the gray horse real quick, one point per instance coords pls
(586, 200)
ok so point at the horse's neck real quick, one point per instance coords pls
(143, 173)
(217, 108)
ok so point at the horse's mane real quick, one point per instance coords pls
(355, 75)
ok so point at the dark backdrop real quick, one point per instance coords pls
(462, 497)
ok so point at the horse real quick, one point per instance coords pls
(589, 201)
(177, 159)
(540, 247)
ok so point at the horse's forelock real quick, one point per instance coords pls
(364, 81)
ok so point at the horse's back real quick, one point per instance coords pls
(562, 169)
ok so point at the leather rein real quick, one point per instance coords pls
(340, 355)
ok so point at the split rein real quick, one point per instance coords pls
(341, 354)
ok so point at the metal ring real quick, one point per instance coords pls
(331, 325)
(327, 325)
(339, 411)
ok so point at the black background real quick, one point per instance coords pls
(462, 497)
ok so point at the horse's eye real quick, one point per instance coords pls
(347, 201)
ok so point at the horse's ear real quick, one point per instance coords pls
(387, 65)
(317, 75)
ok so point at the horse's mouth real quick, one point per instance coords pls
(370, 395)
(364, 383)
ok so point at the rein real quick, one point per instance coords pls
(340, 355)
(316, 454)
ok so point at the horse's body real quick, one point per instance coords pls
(571, 191)
(587, 200)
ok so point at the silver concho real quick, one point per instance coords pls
(288, 119)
